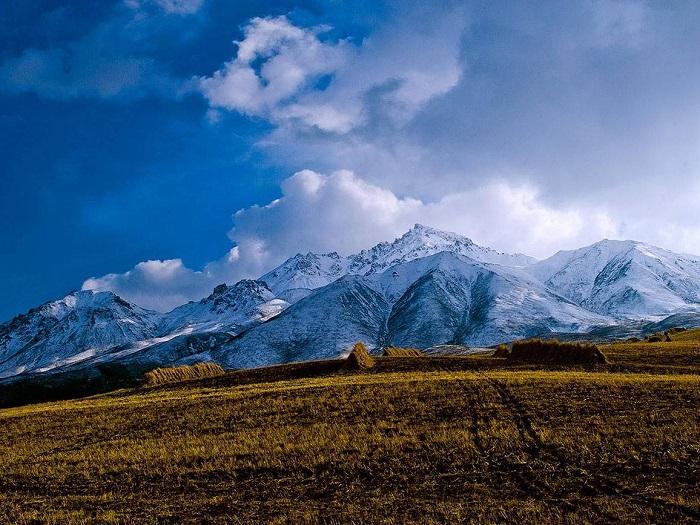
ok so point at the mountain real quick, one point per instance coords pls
(447, 298)
(306, 272)
(624, 279)
(422, 241)
(79, 326)
(425, 288)
(322, 325)
(91, 328)
(229, 309)
(442, 298)
(311, 271)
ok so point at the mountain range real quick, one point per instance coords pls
(426, 288)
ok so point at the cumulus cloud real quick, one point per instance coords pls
(290, 58)
(531, 129)
(599, 96)
(161, 285)
(342, 212)
(278, 65)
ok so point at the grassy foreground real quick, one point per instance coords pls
(414, 440)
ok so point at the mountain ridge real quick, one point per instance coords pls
(425, 287)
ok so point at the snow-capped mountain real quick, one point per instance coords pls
(79, 326)
(423, 289)
(448, 298)
(322, 325)
(422, 241)
(624, 278)
(442, 298)
(306, 272)
(311, 271)
(229, 309)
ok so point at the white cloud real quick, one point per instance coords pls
(161, 285)
(342, 212)
(392, 74)
(532, 129)
(291, 58)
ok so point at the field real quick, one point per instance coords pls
(411, 440)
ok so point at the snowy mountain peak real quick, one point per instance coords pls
(244, 294)
(80, 325)
(308, 271)
(228, 309)
(81, 300)
(429, 234)
(627, 278)
(311, 271)
(423, 241)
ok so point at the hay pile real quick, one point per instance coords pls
(393, 351)
(662, 337)
(359, 358)
(555, 352)
(502, 350)
(161, 376)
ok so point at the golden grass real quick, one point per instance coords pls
(162, 376)
(393, 351)
(427, 441)
(680, 355)
(437, 447)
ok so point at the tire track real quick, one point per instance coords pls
(599, 485)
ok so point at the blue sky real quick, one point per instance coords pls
(94, 184)
(145, 152)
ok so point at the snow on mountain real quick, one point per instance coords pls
(443, 298)
(422, 241)
(89, 328)
(306, 272)
(311, 271)
(454, 299)
(624, 278)
(323, 325)
(229, 309)
(81, 325)
(423, 289)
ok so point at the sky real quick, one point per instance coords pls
(157, 148)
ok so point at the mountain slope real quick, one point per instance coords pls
(306, 272)
(81, 325)
(228, 309)
(311, 271)
(624, 278)
(422, 241)
(447, 298)
(438, 299)
(323, 325)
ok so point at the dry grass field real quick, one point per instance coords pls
(411, 440)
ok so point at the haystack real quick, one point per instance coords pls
(502, 350)
(359, 358)
(394, 351)
(555, 352)
(161, 376)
